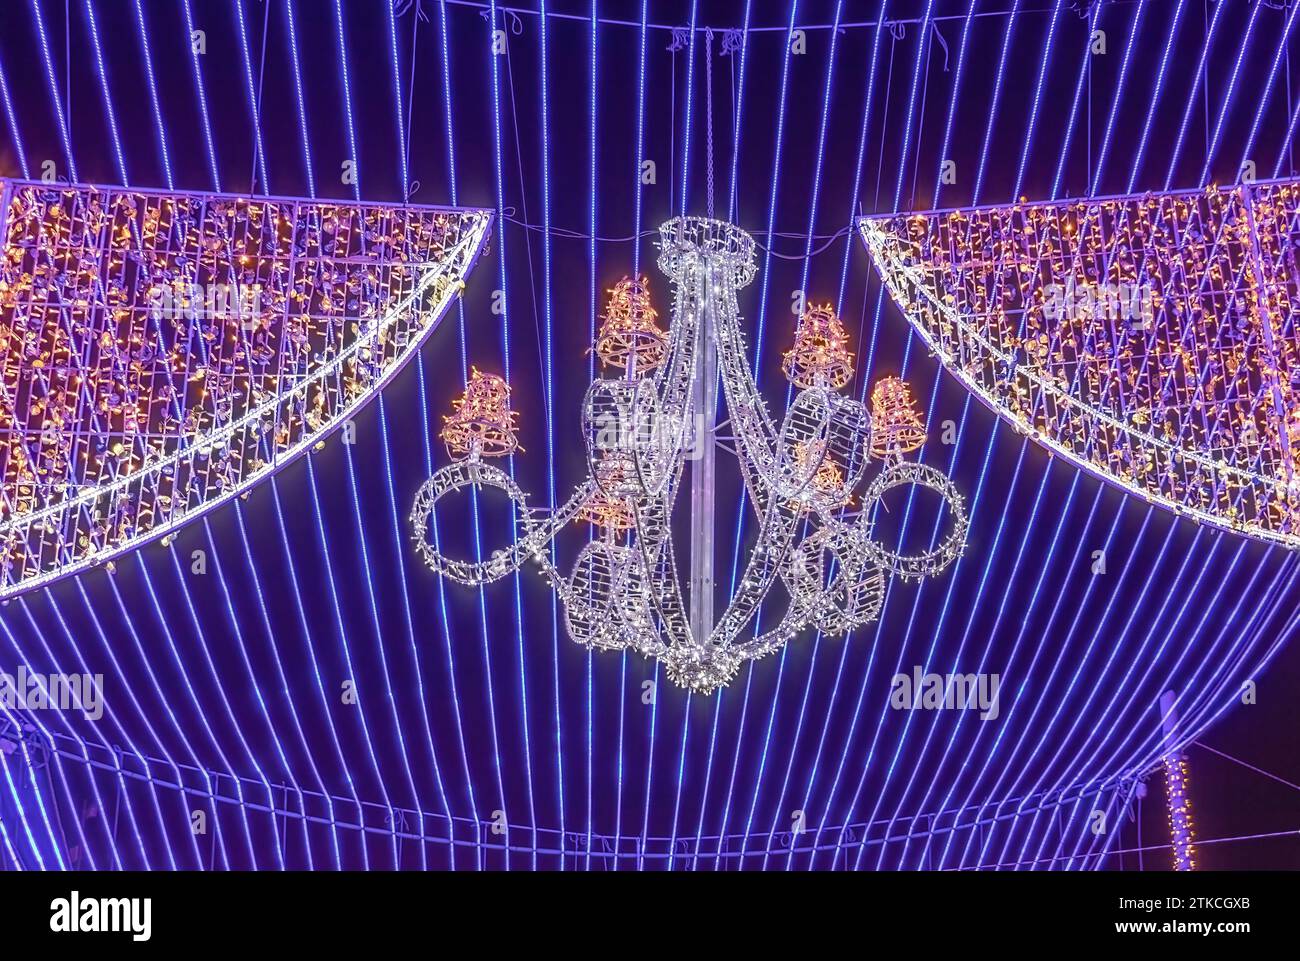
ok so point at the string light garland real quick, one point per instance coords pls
(1180, 812)
(640, 425)
(1146, 338)
(161, 352)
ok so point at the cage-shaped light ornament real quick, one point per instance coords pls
(1181, 833)
(482, 423)
(828, 484)
(896, 427)
(603, 509)
(820, 356)
(630, 339)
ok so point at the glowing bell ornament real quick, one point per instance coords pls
(482, 423)
(630, 339)
(896, 427)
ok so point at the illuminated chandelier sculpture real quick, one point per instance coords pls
(655, 415)
(1150, 339)
(160, 353)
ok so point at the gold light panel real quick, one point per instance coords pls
(1150, 339)
(162, 352)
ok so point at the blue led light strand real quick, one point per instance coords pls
(550, 405)
(160, 128)
(102, 73)
(758, 344)
(54, 90)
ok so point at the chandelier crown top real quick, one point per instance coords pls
(684, 240)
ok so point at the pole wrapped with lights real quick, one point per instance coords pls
(1180, 812)
(1178, 802)
(655, 416)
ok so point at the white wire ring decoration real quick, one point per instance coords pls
(928, 562)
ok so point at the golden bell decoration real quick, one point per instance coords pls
(482, 423)
(827, 482)
(629, 339)
(614, 514)
(896, 427)
(820, 356)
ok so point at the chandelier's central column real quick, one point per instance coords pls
(704, 462)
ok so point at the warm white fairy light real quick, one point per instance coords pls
(1179, 807)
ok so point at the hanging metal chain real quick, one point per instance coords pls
(708, 72)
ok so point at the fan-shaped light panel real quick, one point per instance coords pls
(162, 352)
(1151, 339)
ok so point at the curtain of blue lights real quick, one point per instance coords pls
(481, 736)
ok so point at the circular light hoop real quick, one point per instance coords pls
(621, 420)
(926, 563)
(851, 423)
(452, 478)
(856, 590)
(603, 605)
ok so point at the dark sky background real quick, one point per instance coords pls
(477, 702)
